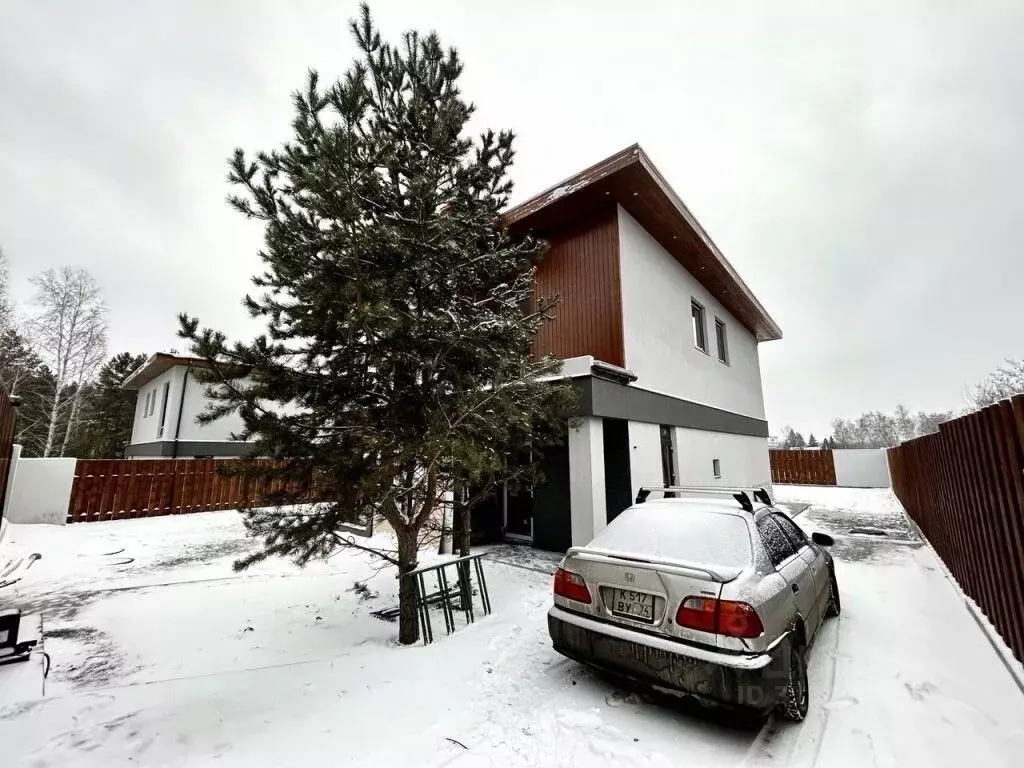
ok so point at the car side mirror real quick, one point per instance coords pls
(822, 539)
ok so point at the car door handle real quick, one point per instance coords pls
(796, 587)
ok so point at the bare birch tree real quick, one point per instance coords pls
(6, 308)
(69, 333)
(1005, 381)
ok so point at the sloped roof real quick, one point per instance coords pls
(630, 179)
(157, 364)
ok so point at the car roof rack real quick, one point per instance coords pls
(741, 495)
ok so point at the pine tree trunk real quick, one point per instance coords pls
(462, 528)
(408, 620)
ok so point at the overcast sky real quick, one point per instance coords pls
(860, 163)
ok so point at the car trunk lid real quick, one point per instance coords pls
(644, 592)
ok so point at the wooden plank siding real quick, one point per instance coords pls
(815, 467)
(117, 489)
(581, 268)
(964, 488)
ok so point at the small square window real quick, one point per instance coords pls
(716, 466)
(722, 341)
(700, 332)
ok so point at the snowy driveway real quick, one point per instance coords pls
(163, 656)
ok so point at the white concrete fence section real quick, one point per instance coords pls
(38, 490)
(861, 467)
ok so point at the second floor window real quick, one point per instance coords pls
(722, 340)
(163, 408)
(700, 333)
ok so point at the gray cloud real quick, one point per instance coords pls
(858, 162)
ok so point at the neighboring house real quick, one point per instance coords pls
(660, 335)
(168, 403)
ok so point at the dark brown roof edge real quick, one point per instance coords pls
(695, 225)
(163, 361)
(584, 178)
(635, 155)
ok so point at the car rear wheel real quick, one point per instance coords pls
(793, 704)
(834, 607)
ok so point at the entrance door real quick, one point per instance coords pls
(618, 487)
(518, 515)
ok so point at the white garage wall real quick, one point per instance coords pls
(744, 459)
(861, 467)
(42, 489)
(644, 455)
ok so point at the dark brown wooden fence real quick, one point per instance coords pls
(6, 442)
(803, 467)
(113, 489)
(964, 488)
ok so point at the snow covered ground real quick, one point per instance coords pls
(161, 655)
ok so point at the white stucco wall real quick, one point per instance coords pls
(644, 455)
(658, 335)
(861, 467)
(146, 428)
(588, 508)
(42, 489)
(743, 459)
(195, 403)
(12, 471)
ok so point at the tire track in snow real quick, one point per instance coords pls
(798, 744)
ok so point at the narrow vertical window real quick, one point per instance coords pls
(722, 341)
(163, 408)
(716, 467)
(700, 331)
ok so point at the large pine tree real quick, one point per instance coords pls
(400, 321)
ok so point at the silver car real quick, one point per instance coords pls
(711, 593)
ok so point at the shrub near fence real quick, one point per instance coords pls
(803, 467)
(964, 488)
(113, 489)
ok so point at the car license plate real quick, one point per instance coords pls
(633, 605)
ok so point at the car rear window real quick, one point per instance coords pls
(696, 536)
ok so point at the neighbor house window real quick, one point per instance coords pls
(716, 467)
(145, 410)
(722, 341)
(700, 332)
(163, 408)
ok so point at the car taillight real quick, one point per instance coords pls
(571, 586)
(738, 620)
(697, 613)
(724, 617)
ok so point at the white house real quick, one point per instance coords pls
(660, 335)
(658, 332)
(167, 406)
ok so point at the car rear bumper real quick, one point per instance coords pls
(742, 680)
